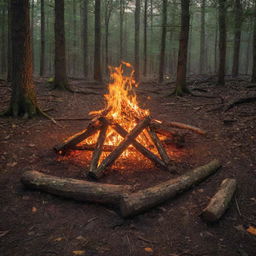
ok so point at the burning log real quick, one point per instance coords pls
(179, 125)
(144, 151)
(75, 189)
(220, 201)
(91, 129)
(98, 150)
(142, 200)
(161, 150)
(109, 160)
(92, 147)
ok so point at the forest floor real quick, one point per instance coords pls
(38, 224)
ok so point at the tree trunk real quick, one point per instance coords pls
(32, 33)
(74, 41)
(9, 50)
(181, 87)
(253, 79)
(3, 51)
(108, 11)
(23, 98)
(75, 189)
(143, 200)
(60, 81)
(163, 42)
(222, 42)
(145, 38)
(97, 42)
(237, 38)
(137, 41)
(121, 16)
(42, 54)
(220, 201)
(85, 39)
(202, 39)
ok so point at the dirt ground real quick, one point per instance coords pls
(34, 223)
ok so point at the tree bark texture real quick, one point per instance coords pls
(60, 81)
(97, 42)
(143, 200)
(222, 42)
(42, 52)
(163, 42)
(23, 98)
(137, 41)
(220, 201)
(183, 49)
(75, 189)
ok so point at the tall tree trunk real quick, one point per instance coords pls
(121, 35)
(181, 87)
(237, 38)
(74, 55)
(145, 38)
(60, 81)
(85, 39)
(9, 50)
(97, 42)
(42, 53)
(151, 35)
(222, 42)
(137, 41)
(190, 45)
(108, 11)
(3, 51)
(163, 42)
(23, 98)
(216, 43)
(32, 33)
(253, 79)
(202, 39)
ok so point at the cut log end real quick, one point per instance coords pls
(220, 201)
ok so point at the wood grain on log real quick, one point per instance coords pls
(75, 189)
(78, 137)
(179, 125)
(220, 201)
(144, 151)
(110, 159)
(98, 150)
(142, 200)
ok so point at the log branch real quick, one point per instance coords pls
(220, 201)
(142, 200)
(78, 137)
(75, 189)
(144, 151)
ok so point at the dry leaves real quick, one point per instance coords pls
(148, 249)
(251, 230)
(78, 252)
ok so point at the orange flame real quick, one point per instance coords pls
(122, 107)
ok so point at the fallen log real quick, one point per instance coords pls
(91, 129)
(220, 201)
(75, 189)
(179, 125)
(240, 101)
(142, 200)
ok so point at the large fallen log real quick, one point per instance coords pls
(142, 200)
(75, 189)
(220, 201)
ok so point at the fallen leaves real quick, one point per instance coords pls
(78, 252)
(251, 230)
(148, 249)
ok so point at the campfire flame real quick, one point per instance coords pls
(122, 107)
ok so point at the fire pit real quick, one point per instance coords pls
(124, 131)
